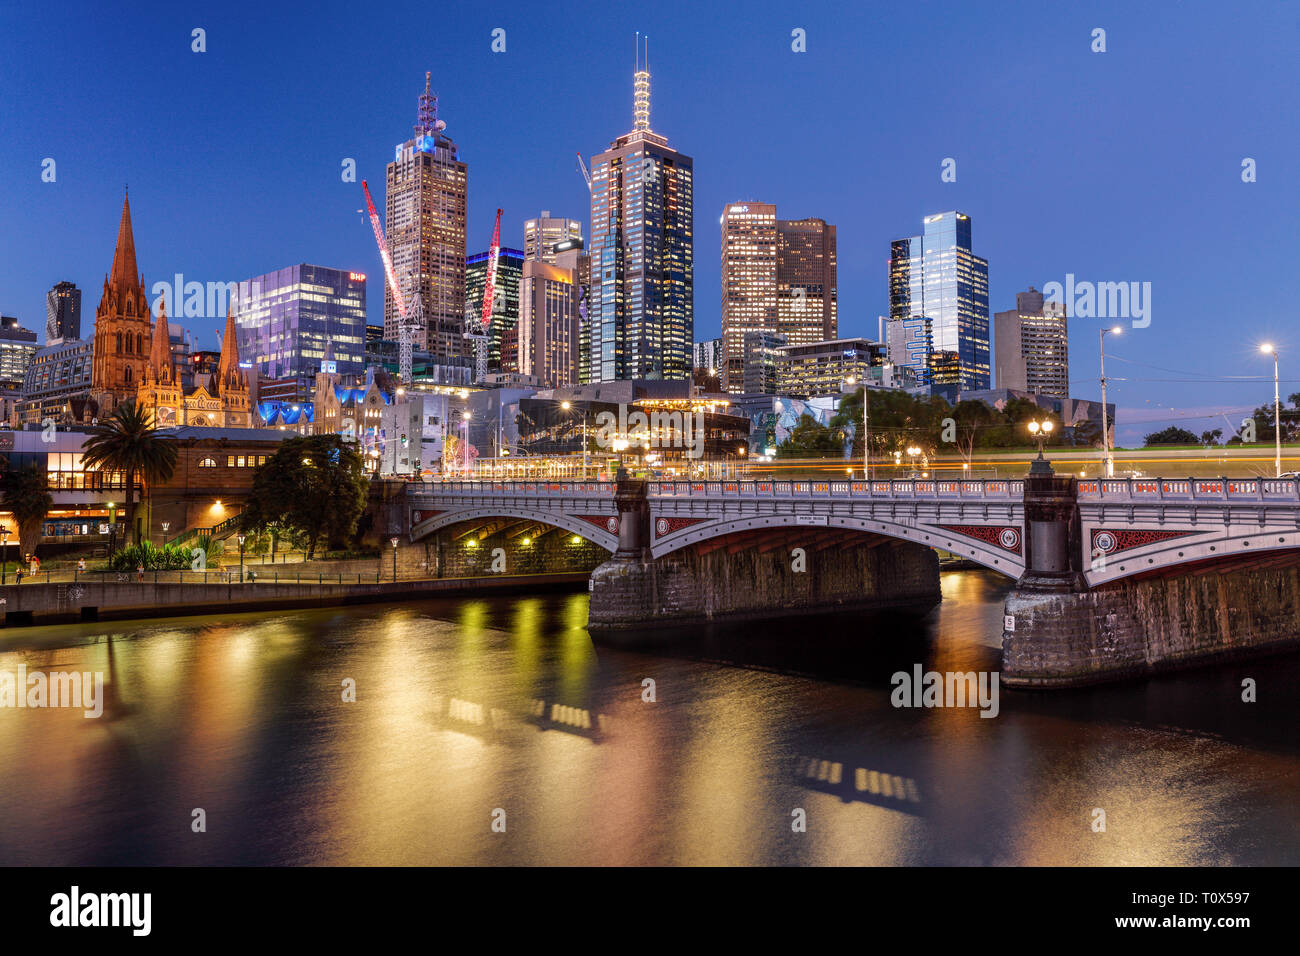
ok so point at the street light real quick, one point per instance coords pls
(112, 527)
(1040, 431)
(464, 416)
(394, 542)
(1268, 349)
(241, 538)
(4, 554)
(1107, 463)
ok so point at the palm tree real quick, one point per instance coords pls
(127, 442)
(27, 497)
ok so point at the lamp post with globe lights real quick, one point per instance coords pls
(1268, 349)
(1108, 464)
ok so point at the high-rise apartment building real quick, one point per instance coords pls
(778, 277)
(709, 355)
(286, 320)
(937, 276)
(806, 281)
(426, 207)
(502, 337)
(1032, 346)
(548, 324)
(62, 313)
(543, 234)
(749, 281)
(642, 314)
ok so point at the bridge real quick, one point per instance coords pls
(1113, 577)
(1126, 526)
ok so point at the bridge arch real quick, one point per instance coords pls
(1002, 560)
(601, 537)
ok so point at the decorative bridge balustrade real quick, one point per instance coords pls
(1126, 526)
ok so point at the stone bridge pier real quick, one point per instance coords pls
(751, 573)
(1060, 632)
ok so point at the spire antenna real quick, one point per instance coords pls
(641, 88)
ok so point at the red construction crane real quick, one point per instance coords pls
(490, 289)
(405, 344)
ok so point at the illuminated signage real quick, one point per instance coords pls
(424, 144)
(740, 209)
(357, 276)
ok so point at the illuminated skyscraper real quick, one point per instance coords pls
(502, 329)
(1032, 346)
(425, 209)
(642, 313)
(749, 299)
(62, 313)
(937, 276)
(541, 235)
(778, 278)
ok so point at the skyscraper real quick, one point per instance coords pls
(426, 206)
(937, 276)
(543, 233)
(17, 346)
(806, 280)
(1032, 346)
(642, 314)
(749, 297)
(779, 278)
(286, 319)
(502, 335)
(548, 323)
(62, 313)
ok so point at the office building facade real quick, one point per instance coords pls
(62, 313)
(426, 208)
(642, 242)
(807, 278)
(548, 324)
(828, 368)
(1032, 346)
(543, 234)
(937, 276)
(502, 335)
(17, 346)
(285, 320)
(762, 353)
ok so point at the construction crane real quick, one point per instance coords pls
(405, 359)
(481, 335)
(582, 168)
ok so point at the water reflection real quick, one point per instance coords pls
(466, 706)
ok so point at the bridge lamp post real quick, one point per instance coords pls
(1268, 349)
(464, 417)
(1040, 431)
(1108, 462)
(394, 542)
(913, 453)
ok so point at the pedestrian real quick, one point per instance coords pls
(139, 571)
(18, 575)
(81, 564)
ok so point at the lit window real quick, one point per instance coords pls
(208, 463)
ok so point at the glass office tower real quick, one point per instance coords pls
(284, 320)
(937, 276)
(503, 342)
(642, 313)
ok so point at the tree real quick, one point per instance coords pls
(127, 442)
(1173, 435)
(973, 420)
(27, 496)
(316, 484)
(811, 439)
(1211, 438)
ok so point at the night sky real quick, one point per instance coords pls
(1116, 166)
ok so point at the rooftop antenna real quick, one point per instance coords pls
(641, 102)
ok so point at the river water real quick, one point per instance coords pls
(471, 713)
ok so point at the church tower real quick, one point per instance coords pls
(231, 385)
(160, 390)
(123, 326)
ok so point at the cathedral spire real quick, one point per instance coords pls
(160, 353)
(125, 275)
(228, 373)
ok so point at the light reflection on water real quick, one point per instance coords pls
(465, 706)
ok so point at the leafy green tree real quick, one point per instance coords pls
(1173, 435)
(27, 497)
(811, 439)
(128, 443)
(1211, 438)
(316, 484)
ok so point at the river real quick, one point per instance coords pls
(474, 716)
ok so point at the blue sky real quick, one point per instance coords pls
(1115, 166)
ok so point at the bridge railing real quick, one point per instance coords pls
(940, 489)
(1136, 490)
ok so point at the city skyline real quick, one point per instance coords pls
(1104, 212)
